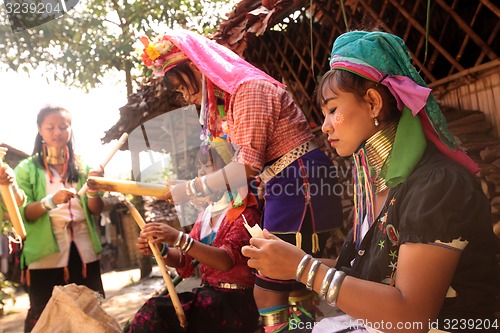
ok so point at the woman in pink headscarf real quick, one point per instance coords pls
(274, 143)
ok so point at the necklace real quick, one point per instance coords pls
(219, 206)
(370, 165)
(378, 148)
(55, 155)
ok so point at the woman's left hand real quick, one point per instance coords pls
(273, 257)
(63, 195)
(7, 176)
(175, 192)
(142, 246)
(160, 233)
(99, 172)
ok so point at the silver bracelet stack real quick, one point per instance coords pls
(312, 273)
(183, 242)
(198, 187)
(187, 244)
(47, 203)
(179, 239)
(189, 194)
(302, 266)
(331, 282)
(207, 190)
(194, 189)
(333, 290)
(326, 282)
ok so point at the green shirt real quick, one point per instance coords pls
(40, 240)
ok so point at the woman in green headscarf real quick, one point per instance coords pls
(421, 254)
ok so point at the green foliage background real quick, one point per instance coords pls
(99, 36)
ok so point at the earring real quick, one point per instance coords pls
(376, 121)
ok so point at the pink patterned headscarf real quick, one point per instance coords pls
(161, 55)
(220, 66)
(218, 63)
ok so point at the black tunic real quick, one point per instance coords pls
(439, 201)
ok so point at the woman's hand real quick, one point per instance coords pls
(143, 246)
(175, 192)
(7, 176)
(63, 195)
(96, 172)
(273, 257)
(159, 233)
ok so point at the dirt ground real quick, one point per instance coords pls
(124, 296)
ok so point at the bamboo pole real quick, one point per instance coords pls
(10, 203)
(163, 268)
(126, 186)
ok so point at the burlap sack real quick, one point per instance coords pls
(74, 308)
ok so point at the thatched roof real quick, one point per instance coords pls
(151, 100)
(291, 40)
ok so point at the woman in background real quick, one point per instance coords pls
(62, 245)
(275, 145)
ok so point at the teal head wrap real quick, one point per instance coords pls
(383, 58)
(388, 54)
